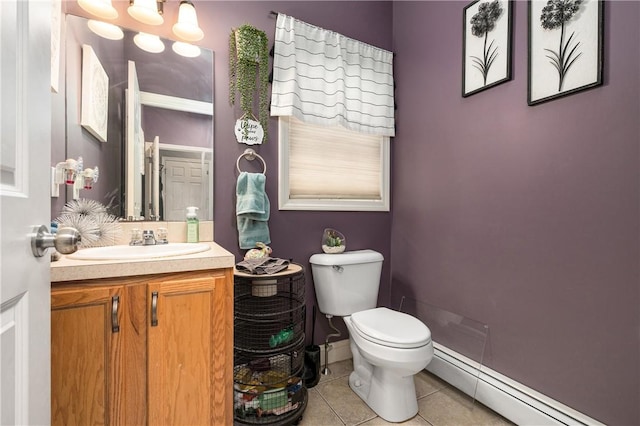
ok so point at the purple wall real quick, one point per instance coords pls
(524, 218)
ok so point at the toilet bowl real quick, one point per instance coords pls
(384, 364)
(388, 347)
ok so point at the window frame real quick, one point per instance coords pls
(324, 204)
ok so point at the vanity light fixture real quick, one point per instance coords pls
(101, 8)
(105, 30)
(187, 50)
(149, 42)
(187, 26)
(150, 12)
(145, 11)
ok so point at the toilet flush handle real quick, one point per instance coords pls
(338, 268)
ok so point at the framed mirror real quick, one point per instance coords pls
(157, 156)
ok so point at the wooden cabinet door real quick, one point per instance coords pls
(188, 372)
(86, 355)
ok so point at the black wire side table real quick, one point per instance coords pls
(269, 339)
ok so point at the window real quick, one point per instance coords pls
(331, 168)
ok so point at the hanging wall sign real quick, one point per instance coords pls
(249, 132)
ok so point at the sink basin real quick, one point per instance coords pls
(138, 252)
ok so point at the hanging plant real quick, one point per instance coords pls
(248, 56)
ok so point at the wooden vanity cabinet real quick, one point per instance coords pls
(143, 350)
(87, 386)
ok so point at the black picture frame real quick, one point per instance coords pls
(486, 45)
(566, 48)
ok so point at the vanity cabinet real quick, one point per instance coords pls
(154, 349)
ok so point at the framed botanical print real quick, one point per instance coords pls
(486, 52)
(565, 47)
(95, 95)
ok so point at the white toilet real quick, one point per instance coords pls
(388, 347)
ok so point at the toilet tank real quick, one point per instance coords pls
(348, 282)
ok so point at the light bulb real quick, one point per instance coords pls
(187, 50)
(106, 30)
(102, 8)
(145, 11)
(187, 26)
(148, 42)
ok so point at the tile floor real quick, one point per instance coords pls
(333, 403)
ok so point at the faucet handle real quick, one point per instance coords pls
(162, 236)
(136, 237)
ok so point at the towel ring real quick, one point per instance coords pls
(251, 155)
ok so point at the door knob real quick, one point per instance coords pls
(65, 240)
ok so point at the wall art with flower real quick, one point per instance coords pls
(565, 47)
(486, 53)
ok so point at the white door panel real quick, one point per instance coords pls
(25, 131)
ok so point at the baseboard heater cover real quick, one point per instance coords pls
(512, 400)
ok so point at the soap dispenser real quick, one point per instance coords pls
(193, 225)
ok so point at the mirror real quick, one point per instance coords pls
(157, 156)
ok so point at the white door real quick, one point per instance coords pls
(25, 131)
(186, 183)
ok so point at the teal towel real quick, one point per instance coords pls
(251, 196)
(252, 210)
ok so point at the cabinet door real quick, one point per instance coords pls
(189, 341)
(86, 352)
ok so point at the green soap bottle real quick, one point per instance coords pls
(193, 225)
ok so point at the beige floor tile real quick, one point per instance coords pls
(449, 407)
(338, 369)
(346, 404)
(416, 421)
(318, 412)
(427, 383)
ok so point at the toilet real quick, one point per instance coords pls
(388, 347)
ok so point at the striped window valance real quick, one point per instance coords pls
(324, 78)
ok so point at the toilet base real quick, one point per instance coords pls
(392, 397)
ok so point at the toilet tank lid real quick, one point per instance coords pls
(346, 258)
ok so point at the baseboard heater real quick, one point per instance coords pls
(514, 401)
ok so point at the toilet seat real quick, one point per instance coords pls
(391, 328)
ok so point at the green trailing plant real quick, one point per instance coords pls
(249, 72)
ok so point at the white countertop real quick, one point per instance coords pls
(67, 269)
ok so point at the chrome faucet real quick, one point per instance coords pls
(148, 238)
